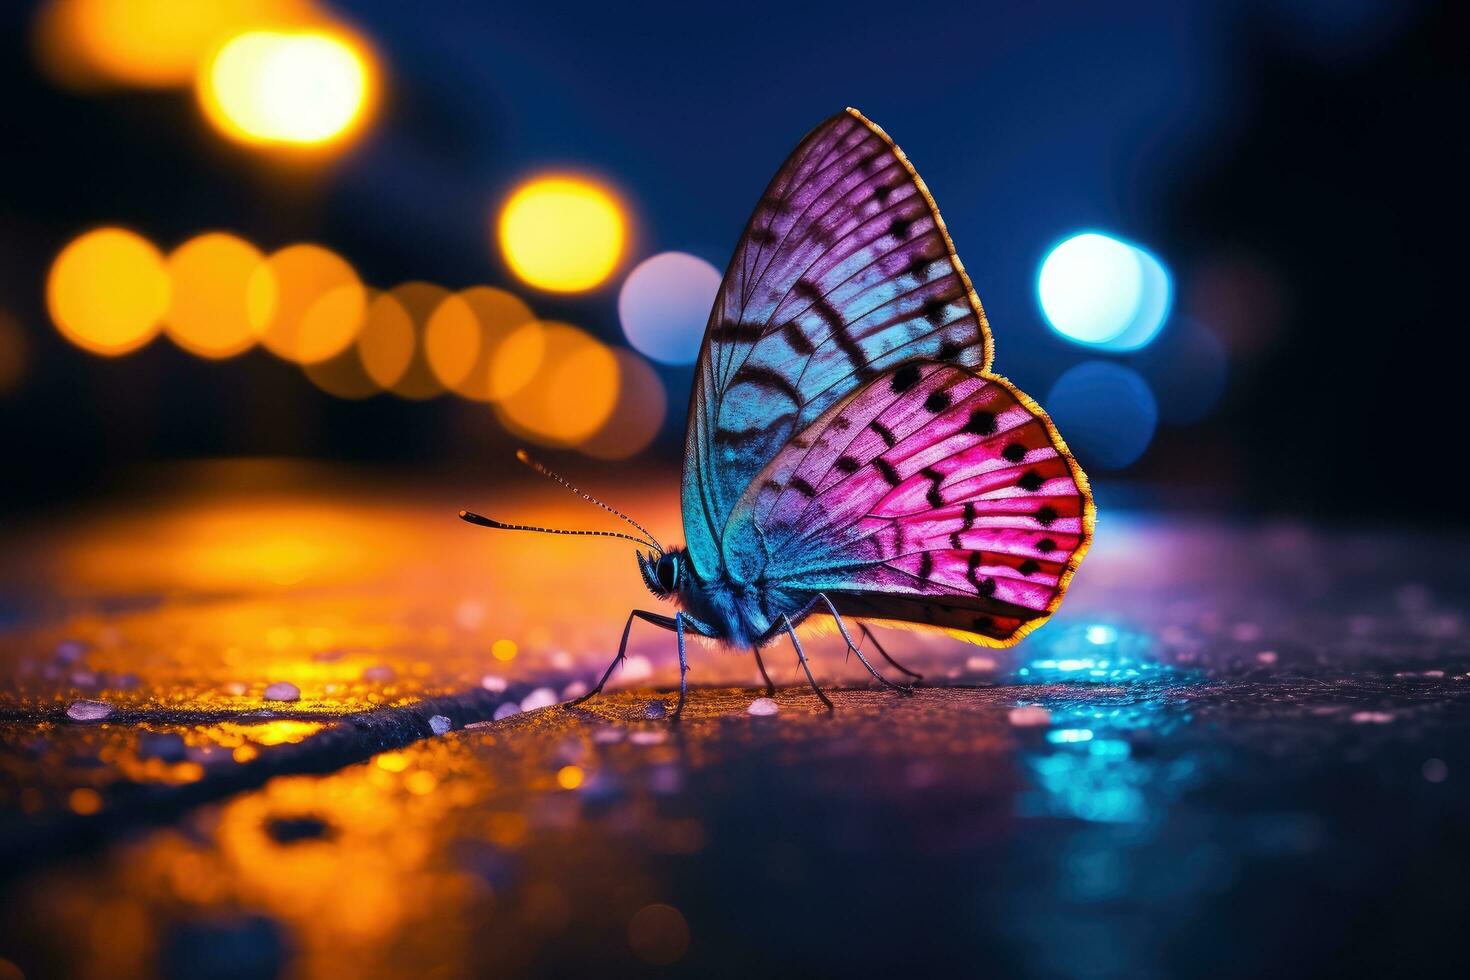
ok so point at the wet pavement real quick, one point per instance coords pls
(312, 726)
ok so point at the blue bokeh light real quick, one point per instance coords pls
(1106, 410)
(1101, 291)
(1187, 370)
(665, 303)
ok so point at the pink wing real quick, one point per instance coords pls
(931, 497)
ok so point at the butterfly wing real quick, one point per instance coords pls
(932, 497)
(844, 271)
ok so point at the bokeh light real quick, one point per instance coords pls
(573, 393)
(385, 347)
(665, 303)
(1106, 412)
(15, 353)
(108, 290)
(517, 360)
(465, 336)
(1187, 369)
(151, 43)
(1101, 291)
(298, 88)
(345, 375)
(562, 234)
(306, 303)
(639, 413)
(208, 312)
(419, 301)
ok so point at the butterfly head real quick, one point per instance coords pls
(664, 572)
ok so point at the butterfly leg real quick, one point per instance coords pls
(761, 664)
(801, 656)
(683, 665)
(901, 668)
(646, 616)
(842, 628)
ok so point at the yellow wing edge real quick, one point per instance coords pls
(985, 335)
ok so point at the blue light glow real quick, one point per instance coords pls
(665, 303)
(1107, 411)
(1067, 735)
(1104, 292)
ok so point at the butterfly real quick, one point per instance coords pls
(848, 451)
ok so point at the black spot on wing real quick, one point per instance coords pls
(1014, 453)
(1046, 515)
(1030, 481)
(948, 350)
(730, 332)
(900, 226)
(802, 487)
(934, 309)
(926, 565)
(937, 402)
(1028, 567)
(982, 423)
(1046, 545)
(905, 378)
(889, 473)
(847, 464)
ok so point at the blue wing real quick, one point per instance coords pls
(845, 271)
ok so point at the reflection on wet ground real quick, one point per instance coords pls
(316, 730)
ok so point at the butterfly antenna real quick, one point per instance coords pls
(482, 521)
(524, 457)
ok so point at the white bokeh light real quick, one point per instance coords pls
(1104, 292)
(665, 303)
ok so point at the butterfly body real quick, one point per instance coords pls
(848, 451)
(738, 614)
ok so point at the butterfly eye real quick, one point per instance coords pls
(668, 573)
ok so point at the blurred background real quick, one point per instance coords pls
(285, 283)
(1214, 239)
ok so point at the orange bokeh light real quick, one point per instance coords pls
(466, 334)
(639, 413)
(573, 393)
(151, 43)
(306, 304)
(419, 300)
(108, 291)
(385, 347)
(208, 312)
(345, 375)
(517, 359)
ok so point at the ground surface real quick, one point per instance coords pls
(1239, 750)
